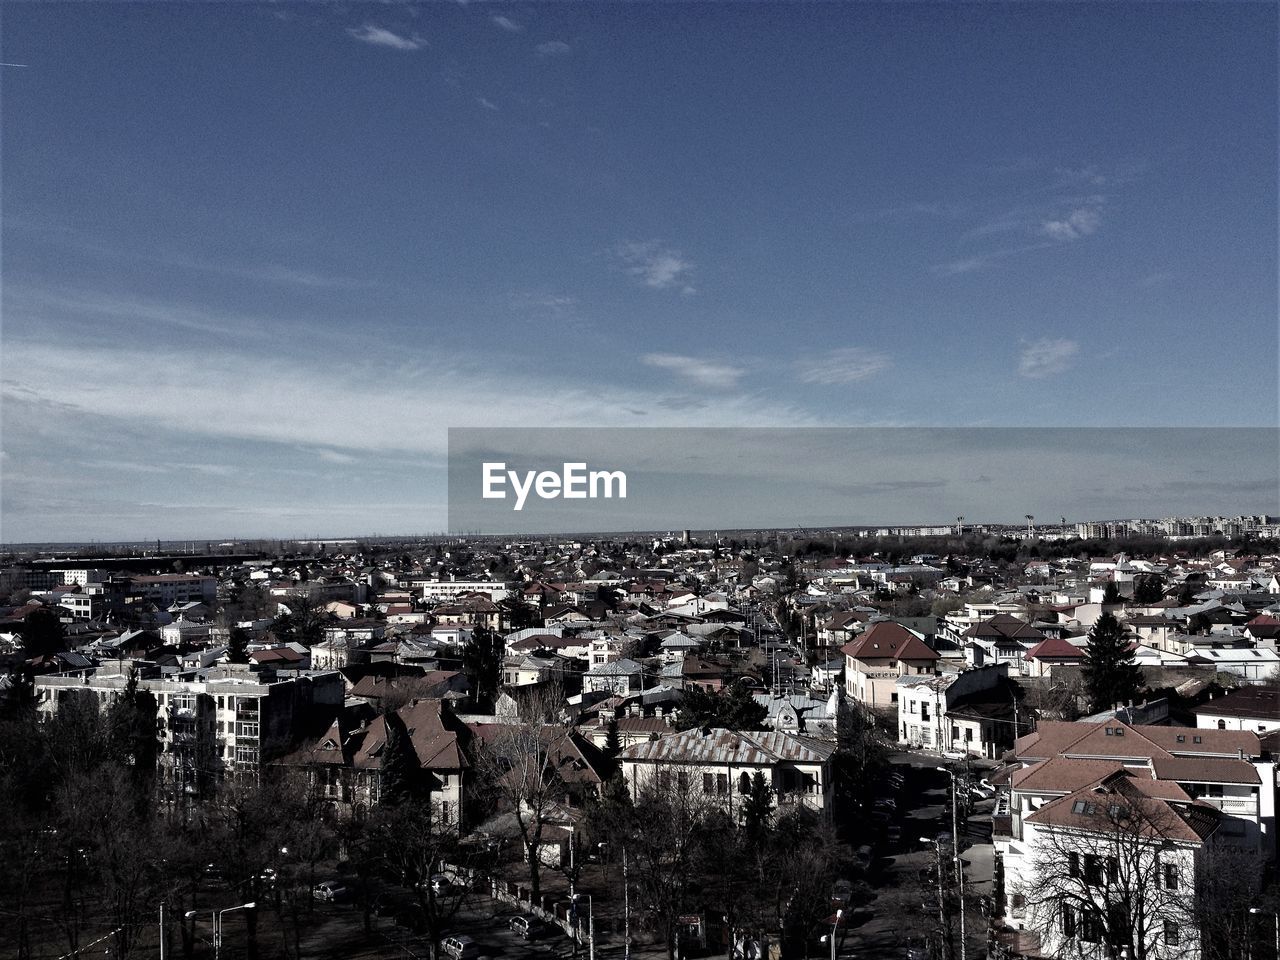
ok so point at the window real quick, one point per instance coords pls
(955, 732)
(744, 783)
(708, 783)
(968, 735)
(1222, 724)
(1068, 922)
(1073, 864)
(1171, 876)
(1197, 739)
(1181, 738)
(1172, 935)
(1091, 927)
(1093, 870)
(247, 730)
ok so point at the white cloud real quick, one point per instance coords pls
(331, 403)
(486, 103)
(506, 23)
(1080, 222)
(953, 268)
(656, 266)
(705, 373)
(1046, 357)
(845, 365)
(552, 48)
(382, 37)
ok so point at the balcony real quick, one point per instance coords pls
(1241, 806)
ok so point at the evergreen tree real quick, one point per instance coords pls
(733, 709)
(400, 765)
(132, 736)
(1110, 594)
(238, 647)
(612, 742)
(42, 634)
(482, 663)
(1148, 589)
(1111, 673)
(757, 810)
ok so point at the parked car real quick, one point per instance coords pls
(893, 833)
(863, 857)
(530, 928)
(331, 891)
(460, 947)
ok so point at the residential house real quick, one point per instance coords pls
(875, 660)
(1002, 638)
(971, 713)
(722, 763)
(1255, 708)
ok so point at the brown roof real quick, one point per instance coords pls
(1004, 626)
(434, 733)
(1054, 648)
(1062, 775)
(1080, 739)
(1149, 808)
(1251, 703)
(887, 640)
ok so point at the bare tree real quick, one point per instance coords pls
(674, 821)
(412, 844)
(1115, 870)
(517, 767)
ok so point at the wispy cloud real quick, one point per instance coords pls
(845, 365)
(1079, 222)
(972, 264)
(334, 456)
(656, 266)
(1046, 357)
(552, 48)
(506, 23)
(705, 373)
(382, 37)
(486, 103)
(954, 268)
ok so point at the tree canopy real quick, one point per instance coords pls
(1111, 673)
(733, 708)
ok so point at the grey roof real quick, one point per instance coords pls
(738, 747)
(616, 668)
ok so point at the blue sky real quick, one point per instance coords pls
(258, 258)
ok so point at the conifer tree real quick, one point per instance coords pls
(1111, 673)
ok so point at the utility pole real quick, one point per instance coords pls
(955, 853)
(626, 907)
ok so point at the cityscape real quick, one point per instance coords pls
(652, 481)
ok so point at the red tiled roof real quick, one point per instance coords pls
(887, 640)
(1054, 648)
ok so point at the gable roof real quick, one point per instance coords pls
(730, 747)
(887, 640)
(1120, 804)
(1054, 648)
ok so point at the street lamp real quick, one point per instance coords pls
(955, 851)
(1275, 919)
(834, 927)
(217, 923)
(942, 907)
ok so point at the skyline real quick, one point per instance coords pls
(257, 259)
